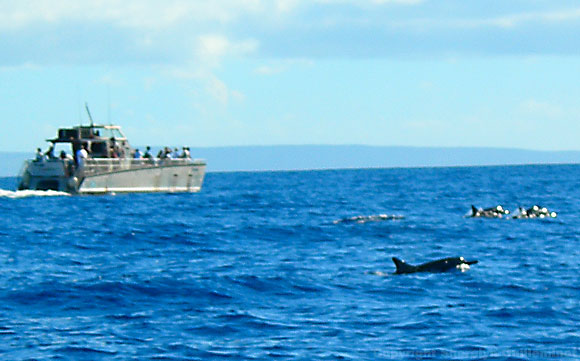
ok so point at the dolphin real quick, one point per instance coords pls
(493, 212)
(366, 219)
(440, 265)
(534, 212)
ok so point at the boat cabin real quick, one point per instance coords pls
(101, 141)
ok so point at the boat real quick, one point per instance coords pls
(111, 166)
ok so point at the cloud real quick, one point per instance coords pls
(23, 66)
(513, 20)
(154, 14)
(216, 46)
(539, 109)
(127, 13)
(370, 2)
(173, 32)
(110, 80)
(209, 51)
(560, 16)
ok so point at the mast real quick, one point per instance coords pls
(89, 113)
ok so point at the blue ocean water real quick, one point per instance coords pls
(255, 268)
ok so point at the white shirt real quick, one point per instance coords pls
(81, 156)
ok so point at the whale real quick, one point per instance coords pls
(438, 266)
(493, 212)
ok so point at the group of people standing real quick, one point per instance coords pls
(70, 162)
(165, 153)
(83, 153)
(49, 154)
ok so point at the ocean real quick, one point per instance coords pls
(266, 265)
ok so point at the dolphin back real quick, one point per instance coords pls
(403, 267)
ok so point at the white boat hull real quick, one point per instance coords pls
(178, 178)
(100, 176)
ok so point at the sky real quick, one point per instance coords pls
(435, 73)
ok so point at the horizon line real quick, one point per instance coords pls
(440, 147)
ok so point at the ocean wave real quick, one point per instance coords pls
(30, 193)
(208, 276)
(371, 218)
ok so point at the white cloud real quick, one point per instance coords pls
(504, 21)
(206, 32)
(215, 46)
(371, 2)
(129, 13)
(539, 109)
(110, 80)
(154, 13)
(24, 66)
(269, 70)
(284, 6)
(207, 82)
(546, 17)
(217, 89)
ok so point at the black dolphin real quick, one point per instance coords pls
(534, 212)
(440, 265)
(493, 212)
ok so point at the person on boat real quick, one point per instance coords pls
(65, 156)
(115, 150)
(82, 155)
(39, 156)
(148, 154)
(68, 162)
(50, 153)
(137, 154)
(167, 153)
(185, 153)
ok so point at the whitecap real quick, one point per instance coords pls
(30, 193)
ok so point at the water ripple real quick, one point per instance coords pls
(253, 267)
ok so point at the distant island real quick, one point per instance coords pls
(301, 157)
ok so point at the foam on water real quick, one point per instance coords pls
(30, 193)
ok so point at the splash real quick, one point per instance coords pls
(366, 219)
(30, 193)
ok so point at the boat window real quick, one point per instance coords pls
(111, 133)
(60, 147)
(66, 134)
(85, 132)
(99, 149)
(117, 133)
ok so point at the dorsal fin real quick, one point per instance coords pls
(474, 210)
(402, 266)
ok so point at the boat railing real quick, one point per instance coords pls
(106, 165)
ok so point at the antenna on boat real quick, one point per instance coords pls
(89, 113)
(109, 103)
(79, 105)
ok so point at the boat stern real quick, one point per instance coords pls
(50, 174)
